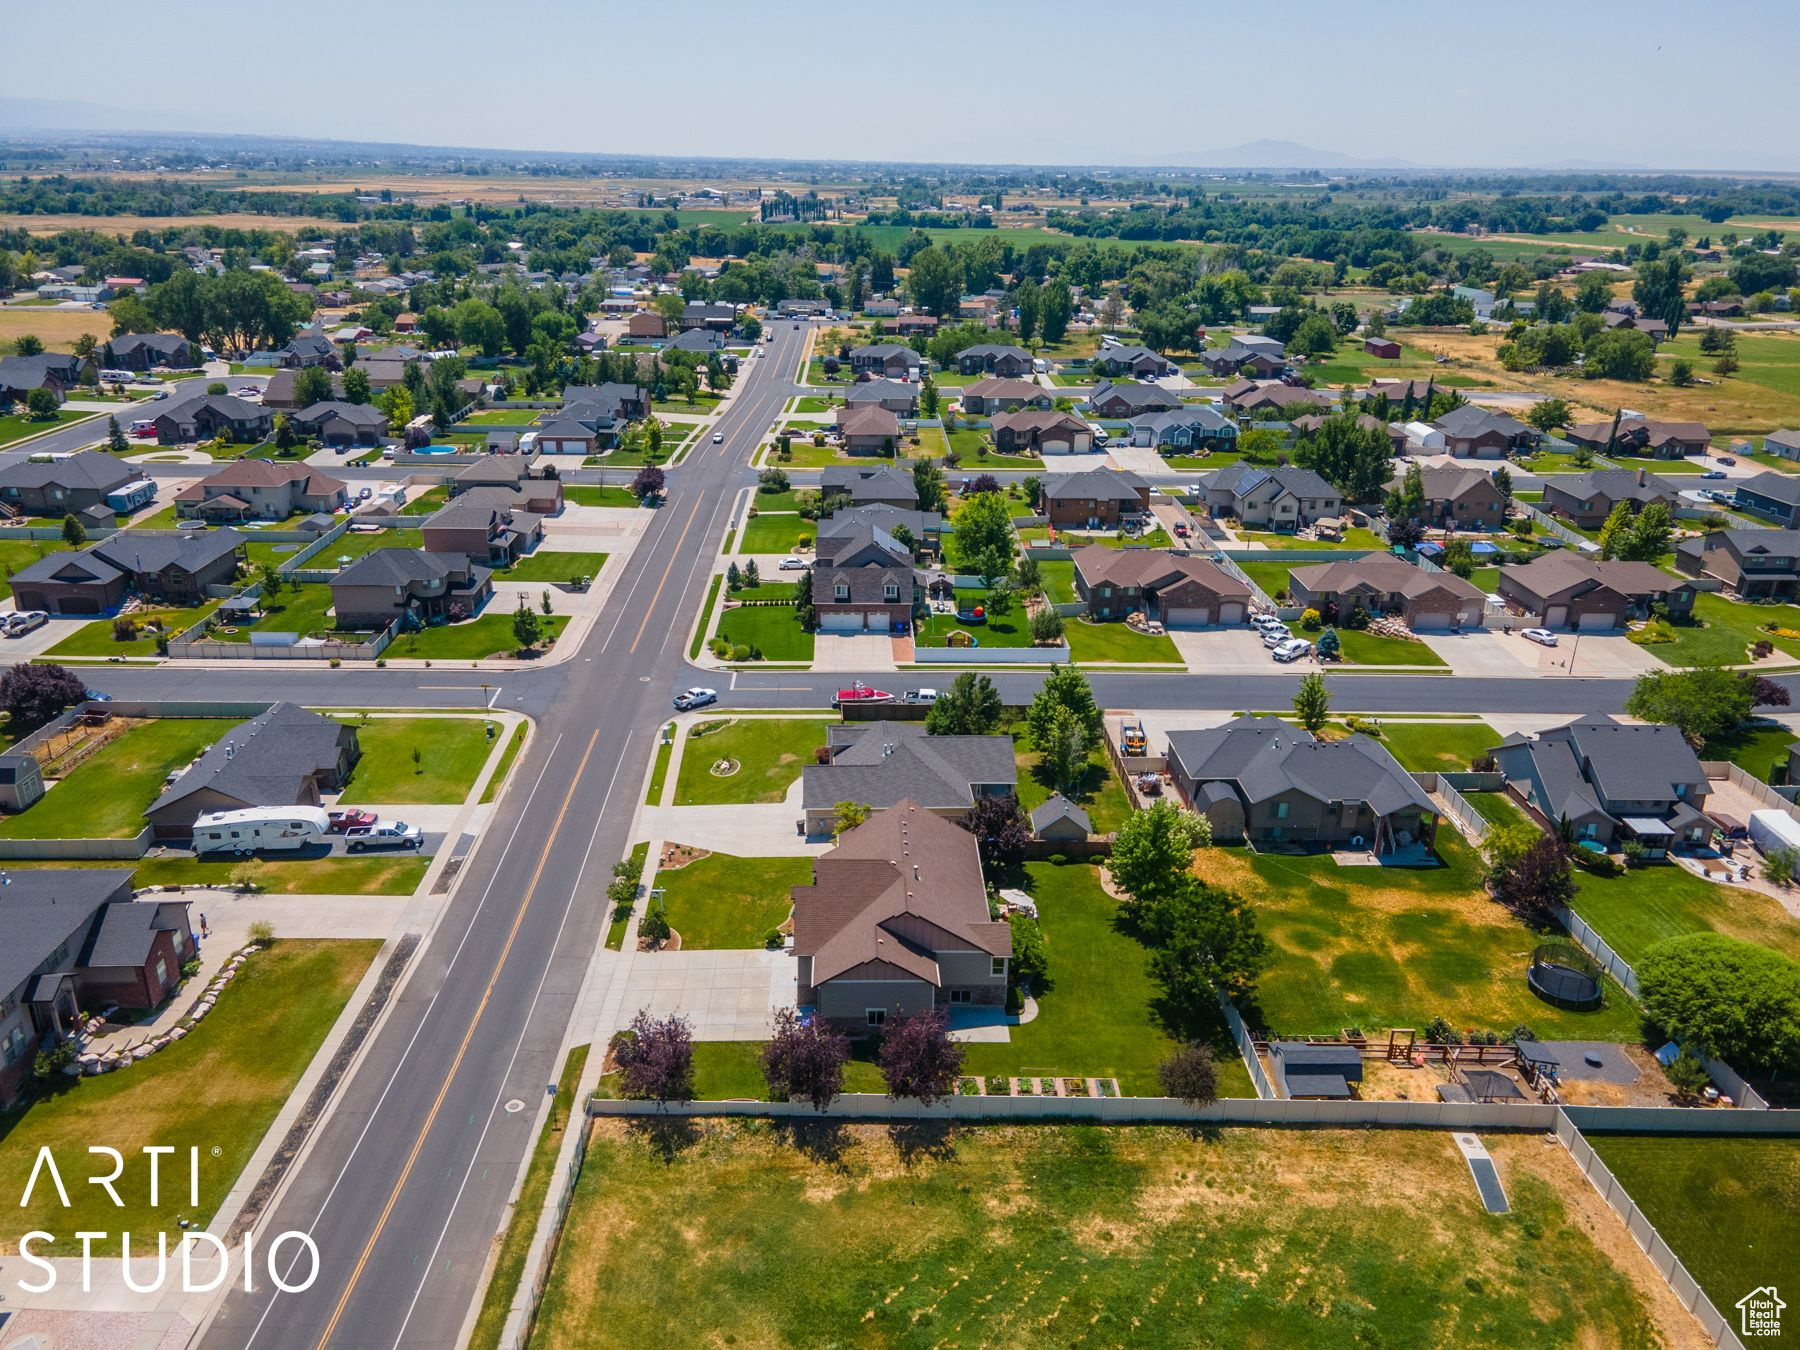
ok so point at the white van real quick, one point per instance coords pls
(260, 829)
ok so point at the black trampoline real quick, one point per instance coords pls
(1565, 976)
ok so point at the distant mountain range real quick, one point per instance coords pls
(1267, 154)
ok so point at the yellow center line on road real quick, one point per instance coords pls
(468, 1036)
(674, 557)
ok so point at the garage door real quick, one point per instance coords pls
(1430, 622)
(1556, 616)
(79, 604)
(1590, 622)
(1189, 617)
(1231, 613)
(841, 622)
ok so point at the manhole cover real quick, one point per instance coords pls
(514, 1107)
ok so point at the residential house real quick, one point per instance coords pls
(261, 489)
(863, 580)
(868, 430)
(897, 396)
(1654, 329)
(1458, 498)
(148, 351)
(57, 485)
(1642, 436)
(880, 764)
(1136, 361)
(1267, 781)
(887, 486)
(486, 525)
(1484, 301)
(55, 371)
(1784, 443)
(885, 358)
(1404, 392)
(996, 395)
(1130, 400)
(623, 402)
(1384, 347)
(1277, 400)
(646, 326)
(1587, 499)
(1610, 781)
(1773, 496)
(925, 527)
(914, 325)
(339, 424)
(720, 318)
(168, 566)
(534, 486)
(1193, 428)
(994, 358)
(1094, 499)
(1481, 433)
(1753, 564)
(73, 939)
(1176, 590)
(286, 756)
(1382, 584)
(386, 370)
(1280, 498)
(1059, 820)
(896, 923)
(279, 395)
(308, 348)
(205, 416)
(1043, 433)
(1308, 424)
(1238, 359)
(700, 341)
(1562, 589)
(381, 586)
(579, 429)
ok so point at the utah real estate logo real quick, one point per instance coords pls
(1760, 1312)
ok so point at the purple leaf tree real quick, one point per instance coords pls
(918, 1059)
(805, 1060)
(656, 1058)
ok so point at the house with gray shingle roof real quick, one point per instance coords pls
(1753, 564)
(897, 396)
(866, 487)
(1587, 499)
(885, 358)
(994, 358)
(1094, 499)
(863, 580)
(881, 763)
(1194, 426)
(53, 485)
(380, 586)
(1282, 497)
(286, 756)
(925, 527)
(1481, 433)
(1132, 359)
(1108, 399)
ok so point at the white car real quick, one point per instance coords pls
(1542, 636)
(924, 696)
(695, 698)
(251, 393)
(792, 565)
(1291, 650)
(1274, 637)
(718, 438)
(25, 621)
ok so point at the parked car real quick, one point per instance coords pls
(159, 396)
(95, 696)
(250, 394)
(349, 818)
(384, 834)
(792, 565)
(1542, 636)
(1274, 637)
(695, 698)
(925, 696)
(1291, 650)
(25, 621)
(1725, 459)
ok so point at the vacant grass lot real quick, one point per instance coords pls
(217, 1090)
(726, 902)
(1078, 1234)
(575, 494)
(1648, 904)
(1730, 1208)
(550, 565)
(769, 753)
(774, 629)
(490, 635)
(1379, 947)
(106, 796)
(451, 753)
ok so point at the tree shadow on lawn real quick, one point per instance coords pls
(821, 1140)
(918, 1141)
(669, 1136)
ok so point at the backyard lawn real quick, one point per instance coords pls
(298, 609)
(451, 750)
(1078, 1234)
(96, 638)
(1272, 577)
(490, 635)
(1099, 791)
(1754, 749)
(1013, 630)
(773, 629)
(217, 1091)
(357, 543)
(18, 554)
(1497, 808)
(1379, 947)
(1427, 747)
(1090, 642)
(1058, 580)
(776, 532)
(1730, 1208)
(1368, 649)
(1650, 903)
(105, 797)
(764, 757)
(725, 902)
(549, 565)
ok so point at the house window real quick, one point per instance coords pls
(877, 1017)
(962, 996)
(162, 970)
(840, 591)
(15, 1045)
(998, 969)
(890, 592)
(1281, 810)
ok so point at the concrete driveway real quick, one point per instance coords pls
(1494, 653)
(853, 651)
(19, 650)
(726, 996)
(1485, 653)
(1222, 650)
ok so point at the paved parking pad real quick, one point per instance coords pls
(726, 996)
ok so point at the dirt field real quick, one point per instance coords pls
(125, 226)
(56, 328)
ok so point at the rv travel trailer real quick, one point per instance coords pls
(260, 828)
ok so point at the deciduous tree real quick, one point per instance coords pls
(969, 707)
(655, 1056)
(1721, 996)
(918, 1060)
(804, 1061)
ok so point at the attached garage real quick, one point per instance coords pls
(1231, 611)
(1187, 617)
(1432, 622)
(1555, 616)
(1598, 622)
(841, 621)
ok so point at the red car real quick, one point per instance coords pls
(861, 693)
(349, 818)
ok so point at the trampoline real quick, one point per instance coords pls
(1565, 976)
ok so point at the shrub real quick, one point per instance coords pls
(1688, 1076)
(124, 628)
(1190, 1074)
(1599, 864)
(1311, 621)
(1438, 1031)
(1636, 855)
(262, 932)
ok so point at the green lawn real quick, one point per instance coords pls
(1058, 580)
(217, 1091)
(390, 874)
(1724, 632)
(96, 638)
(659, 769)
(1356, 539)
(1014, 630)
(726, 902)
(776, 532)
(1272, 577)
(452, 751)
(773, 629)
(1423, 747)
(1755, 749)
(1091, 642)
(490, 635)
(106, 796)
(1367, 649)
(769, 753)
(1379, 947)
(1730, 1208)
(576, 494)
(1496, 808)
(17, 426)
(1648, 904)
(18, 554)
(549, 565)
(298, 609)
(1080, 1234)
(357, 543)
(712, 596)
(497, 780)
(1099, 791)
(812, 403)
(432, 499)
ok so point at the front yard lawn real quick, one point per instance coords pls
(1379, 947)
(1090, 642)
(774, 630)
(1368, 649)
(105, 797)
(1725, 631)
(1730, 1208)
(452, 751)
(1438, 747)
(1053, 1234)
(218, 1090)
(549, 565)
(725, 902)
(96, 638)
(1662, 900)
(776, 532)
(17, 426)
(768, 753)
(578, 494)
(490, 635)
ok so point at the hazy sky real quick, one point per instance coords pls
(1651, 82)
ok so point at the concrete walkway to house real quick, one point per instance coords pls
(726, 996)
